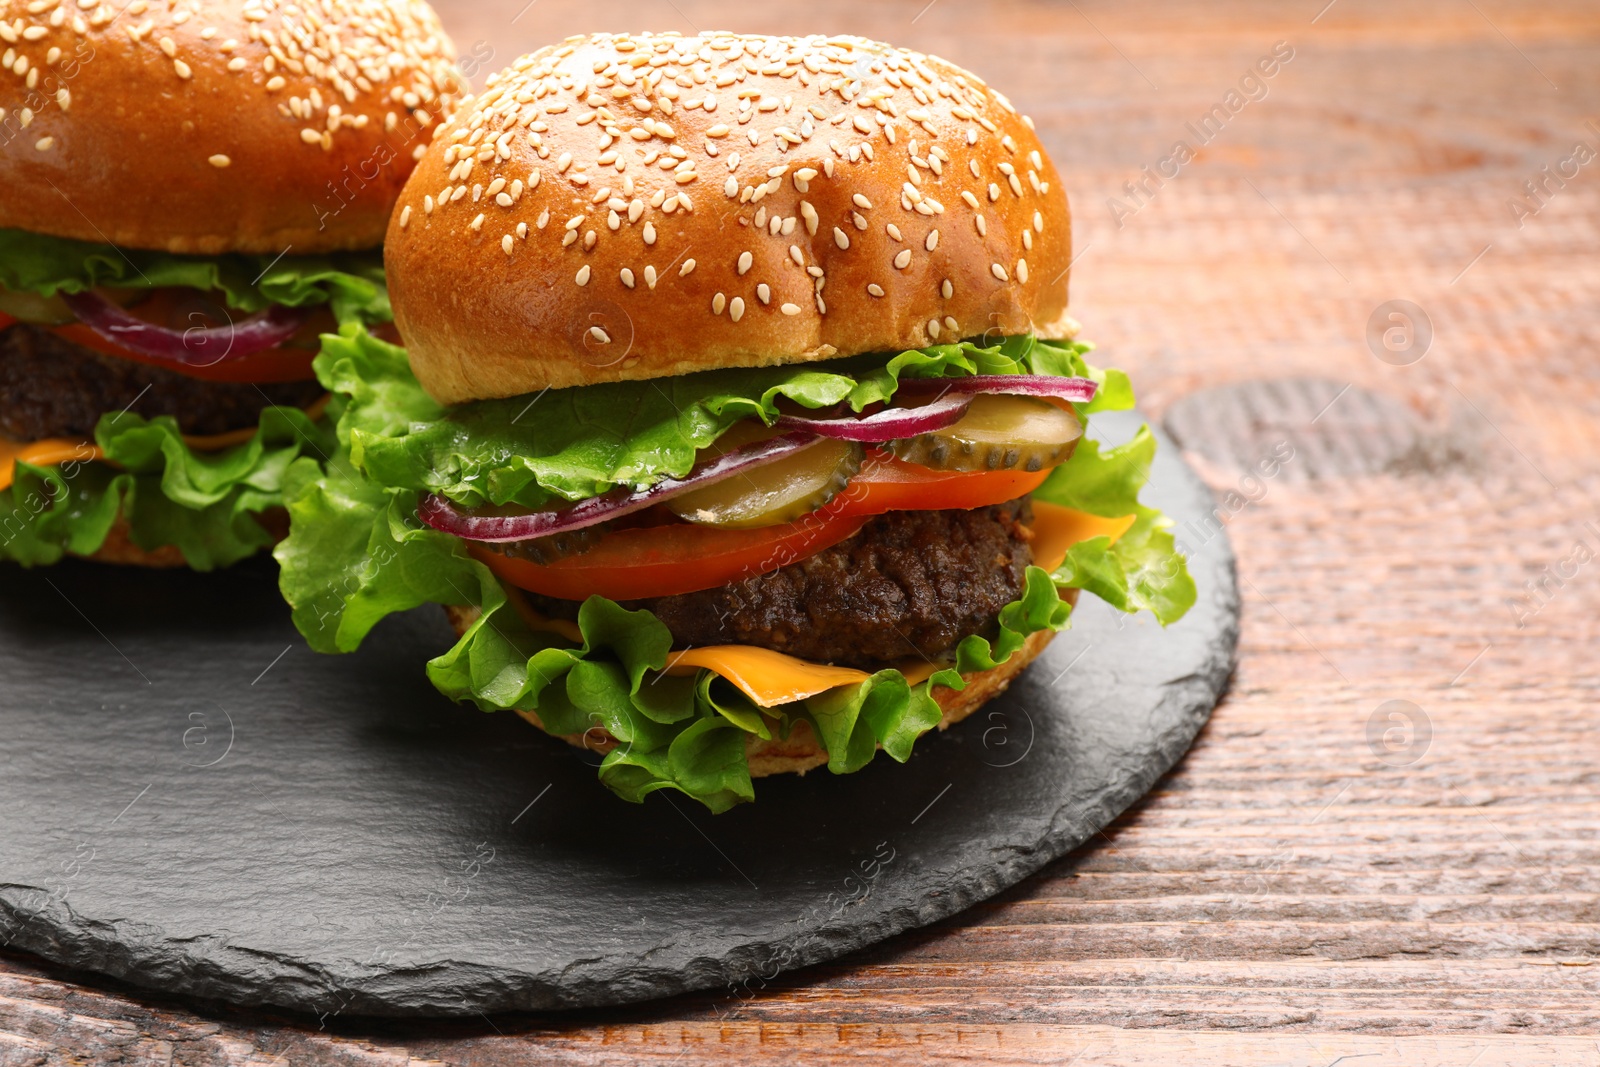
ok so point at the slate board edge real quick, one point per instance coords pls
(217, 972)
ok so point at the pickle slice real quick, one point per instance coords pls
(775, 493)
(31, 307)
(998, 432)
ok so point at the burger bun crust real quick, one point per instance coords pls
(197, 135)
(631, 207)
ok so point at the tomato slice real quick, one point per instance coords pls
(6, 320)
(281, 364)
(667, 560)
(652, 561)
(888, 484)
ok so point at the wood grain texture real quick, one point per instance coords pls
(1296, 891)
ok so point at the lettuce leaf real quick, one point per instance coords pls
(571, 444)
(356, 553)
(1143, 571)
(203, 503)
(350, 283)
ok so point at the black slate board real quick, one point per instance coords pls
(194, 802)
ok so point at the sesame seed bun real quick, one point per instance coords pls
(801, 751)
(236, 126)
(822, 197)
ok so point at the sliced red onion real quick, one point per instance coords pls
(200, 346)
(441, 514)
(891, 424)
(1081, 390)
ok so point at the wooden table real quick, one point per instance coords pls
(1317, 879)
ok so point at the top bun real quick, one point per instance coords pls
(629, 207)
(210, 127)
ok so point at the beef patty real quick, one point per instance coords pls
(907, 585)
(50, 387)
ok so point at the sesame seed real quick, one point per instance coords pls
(903, 259)
(764, 293)
(507, 243)
(310, 136)
(583, 275)
(718, 302)
(650, 276)
(1022, 271)
(219, 160)
(983, 226)
(933, 240)
(182, 70)
(745, 261)
(999, 272)
(477, 223)
(627, 277)
(947, 290)
(790, 309)
(875, 289)
(736, 308)
(933, 328)
(841, 238)
(688, 265)
(861, 202)
(599, 335)
(650, 234)
(44, 144)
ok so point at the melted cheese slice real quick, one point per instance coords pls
(771, 678)
(46, 453)
(1056, 529)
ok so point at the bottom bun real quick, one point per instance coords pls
(119, 548)
(801, 750)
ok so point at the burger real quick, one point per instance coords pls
(190, 194)
(739, 423)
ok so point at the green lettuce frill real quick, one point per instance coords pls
(204, 503)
